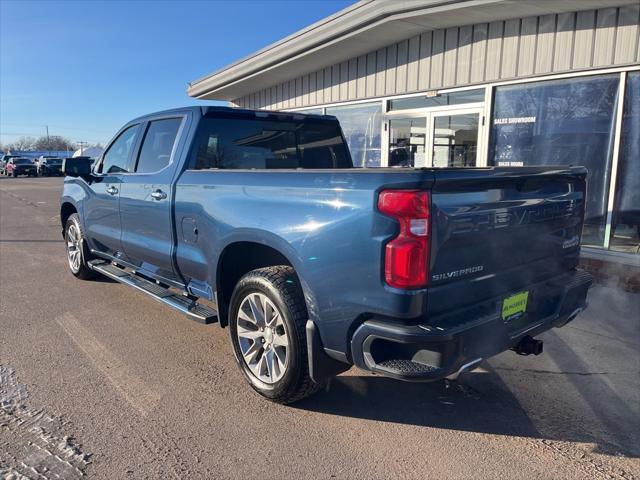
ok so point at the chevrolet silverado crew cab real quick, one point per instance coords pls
(258, 221)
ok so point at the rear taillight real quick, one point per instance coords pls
(406, 259)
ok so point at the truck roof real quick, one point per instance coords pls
(208, 109)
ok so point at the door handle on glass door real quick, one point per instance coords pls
(159, 195)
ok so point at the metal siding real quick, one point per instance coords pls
(371, 75)
(546, 43)
(565, 29)
(279, 96)
(353, 73)
(320, 87)
(479, 52)
(361, 80)
(299, 92)
(424, 65)
(604, 42)
(312, 89)
(401, 70)
(494, 51)
(437, 59)
(527, 51)
(335, 83)
(390, 77)
(627, 34)
(510, 48)
(468, 54)
(450, 56)
(465, 39)
(343, 81)
(291, 93)
(583, 51)
(327, 85)
(412, 63)
(381, 68)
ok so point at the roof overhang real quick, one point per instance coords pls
(364, 27)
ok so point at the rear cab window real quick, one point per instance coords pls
(269, 143)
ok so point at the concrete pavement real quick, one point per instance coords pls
(135, 390)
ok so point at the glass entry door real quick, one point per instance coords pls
(443, 137)
(453, 138)
(407, 142)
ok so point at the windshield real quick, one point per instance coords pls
(22, 161)
(54, 161)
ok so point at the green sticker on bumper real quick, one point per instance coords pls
(514, 305)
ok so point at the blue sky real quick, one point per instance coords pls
(84, 68)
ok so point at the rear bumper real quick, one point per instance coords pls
(435, 349)
(24, 171)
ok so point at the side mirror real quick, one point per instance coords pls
(76, 167)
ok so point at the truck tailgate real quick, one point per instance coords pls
(498, 230)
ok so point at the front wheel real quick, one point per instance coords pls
(267, 318)
(78, 253)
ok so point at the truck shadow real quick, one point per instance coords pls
(478, 402)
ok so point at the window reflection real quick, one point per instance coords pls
(561, 122)
(361, 125)
(625, 226)
(455, 140)
(407, 142)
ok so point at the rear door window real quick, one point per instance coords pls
(117, 158)
(157, 145)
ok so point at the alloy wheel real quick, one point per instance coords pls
(263, 338)
(74, 245)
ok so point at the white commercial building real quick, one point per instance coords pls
(471, 83)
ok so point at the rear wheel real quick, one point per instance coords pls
(267, 319)
(78, 253)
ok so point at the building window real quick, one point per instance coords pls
(361, 125)
(625, 225)
(560, 122)
(312, 111)
(444, 99)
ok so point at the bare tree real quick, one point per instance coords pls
(54, 143)
(22, 144)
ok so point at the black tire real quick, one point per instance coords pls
(15, 174)
(83, 271)
(281, 286)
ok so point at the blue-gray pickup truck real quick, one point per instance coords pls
(259, 221)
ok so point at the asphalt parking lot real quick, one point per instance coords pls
(98, 380)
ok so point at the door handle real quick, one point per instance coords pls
(112, 190)
(159, 195)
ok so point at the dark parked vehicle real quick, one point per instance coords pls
(257, 220)
(50, 166)
(4, 160)
(21, 166)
